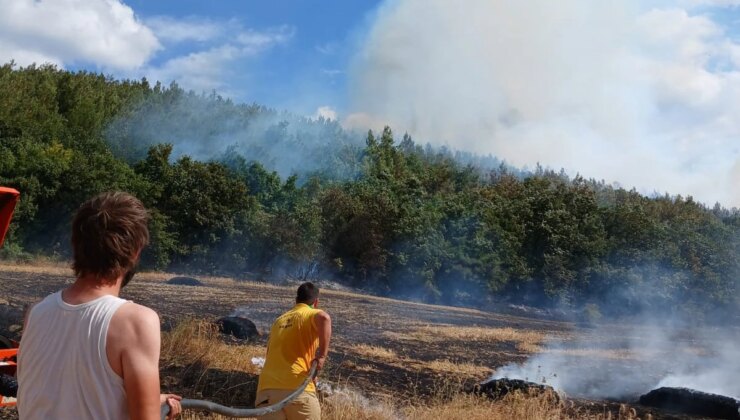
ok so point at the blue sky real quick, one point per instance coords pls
(643, 93)
(307, 70)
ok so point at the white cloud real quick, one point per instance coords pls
(107, 34)
(213, 67)
(255, 41)
(102, 32)
(645, 96)
(12, 51)
(326, 112)
(189, 29)
(200, 71)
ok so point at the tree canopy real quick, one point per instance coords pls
(256, 193)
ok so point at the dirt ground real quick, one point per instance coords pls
(386, 348)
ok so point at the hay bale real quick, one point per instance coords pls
(184, 281)
(498, 388)
(238, 327)
(693, 402)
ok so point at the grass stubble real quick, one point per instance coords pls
(196, 342)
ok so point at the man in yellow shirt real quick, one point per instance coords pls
(297, 338)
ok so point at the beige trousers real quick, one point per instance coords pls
(303, 407)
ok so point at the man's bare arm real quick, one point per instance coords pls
(322, 320)
(138, 342)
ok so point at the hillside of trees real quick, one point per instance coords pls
(246, 191)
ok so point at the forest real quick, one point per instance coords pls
(246, 191)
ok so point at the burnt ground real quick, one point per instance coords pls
(415, 337)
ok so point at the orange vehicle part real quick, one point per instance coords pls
(8, 358)
(8, 198)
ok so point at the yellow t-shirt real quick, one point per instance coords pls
(290, 350)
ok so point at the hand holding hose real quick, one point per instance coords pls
(241, 412)
(319, 364)
(172, 402)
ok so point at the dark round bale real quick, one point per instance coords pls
(184, 281)
(693, 402)
(498, 388)
(238, 327)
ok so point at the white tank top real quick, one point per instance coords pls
(63, 369)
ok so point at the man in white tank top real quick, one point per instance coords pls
(86, 353)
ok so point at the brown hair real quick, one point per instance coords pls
(108, 233)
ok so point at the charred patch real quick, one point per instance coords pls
(184, 281)
(690, 401)
(499, 388)
(241, 328)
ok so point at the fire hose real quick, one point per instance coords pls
(242, 412)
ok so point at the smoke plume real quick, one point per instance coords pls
(641, 93)
(212, 128)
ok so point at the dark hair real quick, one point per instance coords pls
(108, 233)
(307, 293)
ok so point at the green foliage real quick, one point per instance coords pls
(201, 209)
(395, 218)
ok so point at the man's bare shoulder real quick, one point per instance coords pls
(321, 317)
(134, 319)
(133, 312)
(133, 328)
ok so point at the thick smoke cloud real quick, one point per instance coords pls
(645, 95)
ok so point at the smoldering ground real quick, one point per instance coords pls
(621, 362)
(634, 340)
(639, 333)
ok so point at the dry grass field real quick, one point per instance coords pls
(389, 358)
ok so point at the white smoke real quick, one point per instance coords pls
(622, 363)
(205, 128)
(644, 96)
(326, 112)
(716, 374)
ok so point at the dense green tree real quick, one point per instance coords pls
(244, 190)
